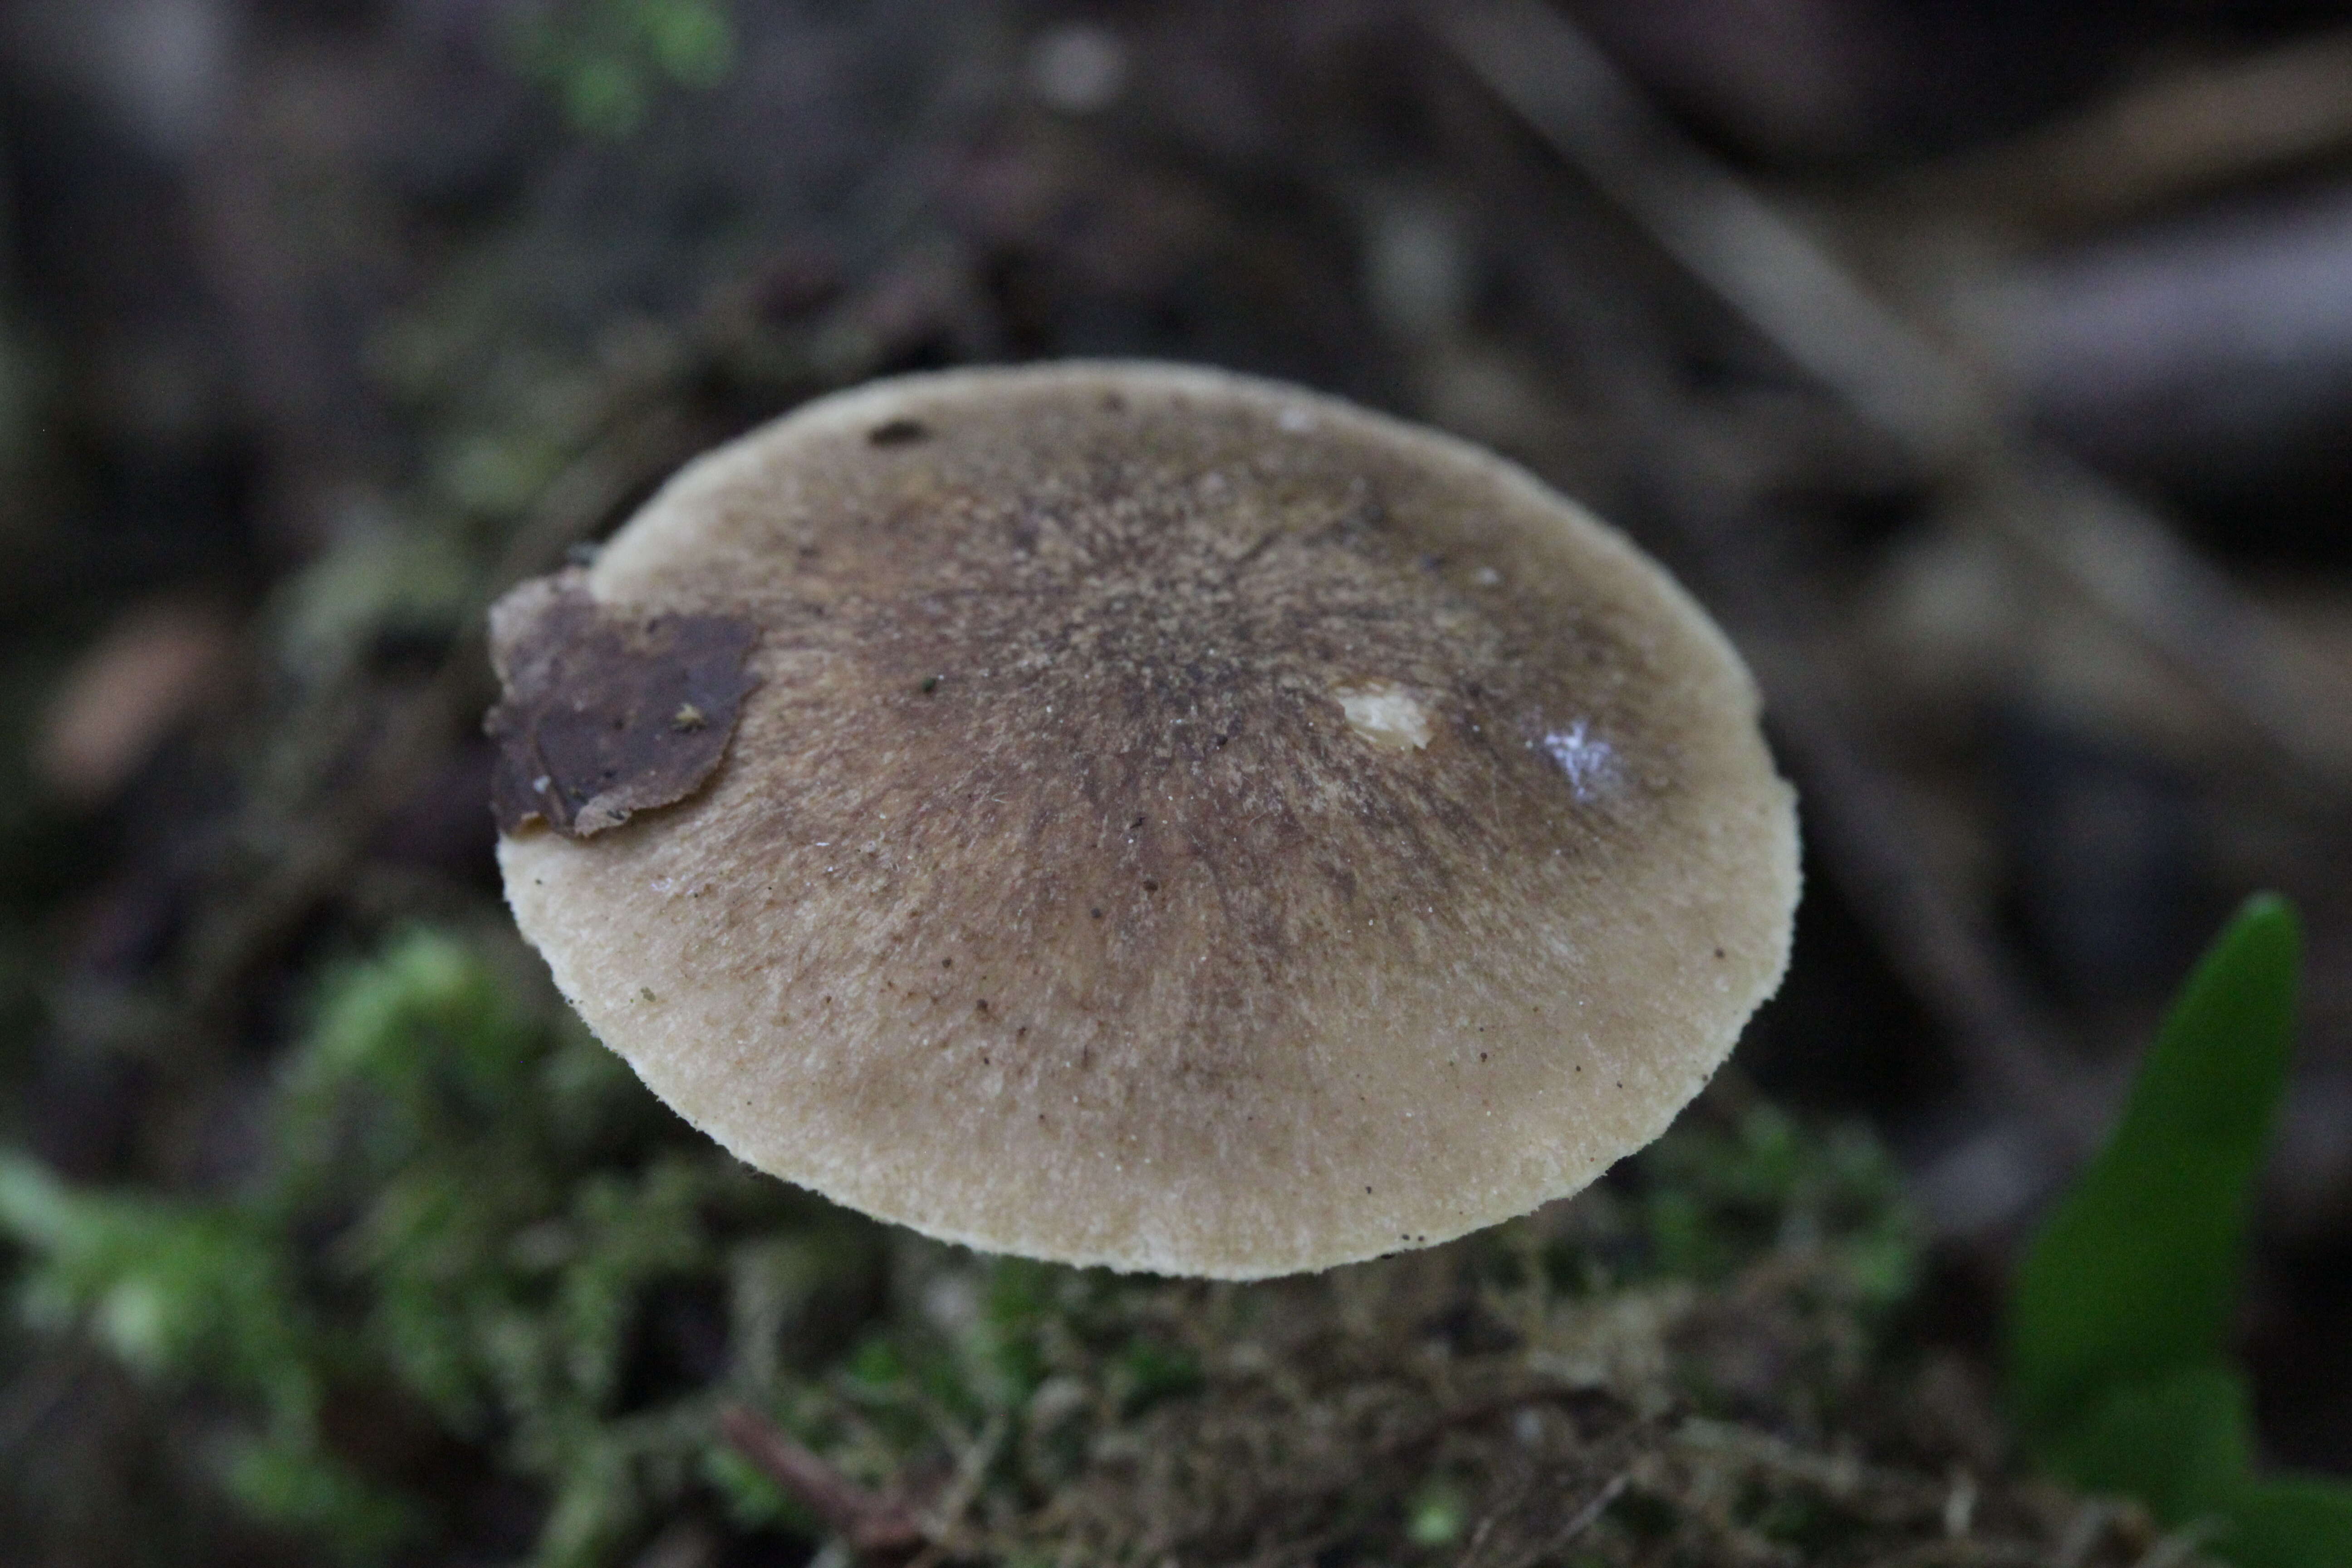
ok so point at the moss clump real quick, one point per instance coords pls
(607, 60)
(482, 1262)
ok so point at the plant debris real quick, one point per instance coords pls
(606, 714)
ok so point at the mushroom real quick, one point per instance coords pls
(1143, 815)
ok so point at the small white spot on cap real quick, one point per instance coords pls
(1294, 419)
(1385, 716)
(1589, 763)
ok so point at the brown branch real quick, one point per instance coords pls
(879, 1528)
(2186, 130)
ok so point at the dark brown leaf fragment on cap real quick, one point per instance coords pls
(606, 713)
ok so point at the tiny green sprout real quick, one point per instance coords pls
(1436, 1516)
(2120, 1376)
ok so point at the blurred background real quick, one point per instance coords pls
(1984, 366)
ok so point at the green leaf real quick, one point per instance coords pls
(2134, 1279)
(2117, 1327)
(2182, 1445)
(2289, 1522)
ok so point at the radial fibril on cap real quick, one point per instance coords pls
(1176, 821)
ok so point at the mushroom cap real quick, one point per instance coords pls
(1181, 822)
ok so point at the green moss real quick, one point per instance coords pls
(478, 1228)
(606, 60)
(486, 1201)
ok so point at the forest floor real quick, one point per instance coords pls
(320, 324)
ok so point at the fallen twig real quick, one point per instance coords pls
(1576, 1524)
(2193, 129)
(879, 1528)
